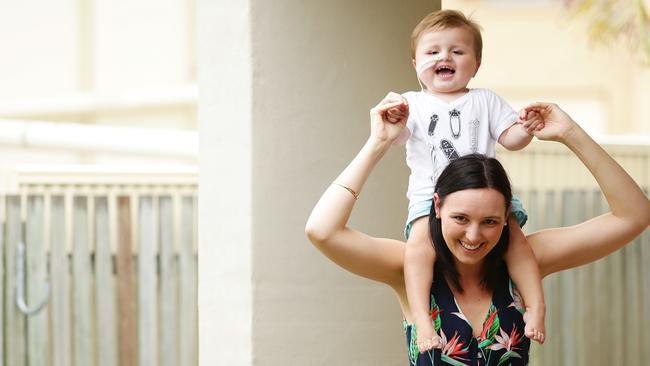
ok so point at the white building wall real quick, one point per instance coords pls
(114, 63)
(286, 87)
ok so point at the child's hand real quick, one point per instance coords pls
(531, 121)
(558, 126)
(399, 113)
(383, 126)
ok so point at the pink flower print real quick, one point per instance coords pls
(505, 341)
(454, 348)
(517, 301)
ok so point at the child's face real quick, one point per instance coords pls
(445, 60)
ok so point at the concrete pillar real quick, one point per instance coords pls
(285, 89)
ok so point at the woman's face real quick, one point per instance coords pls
(472, 221)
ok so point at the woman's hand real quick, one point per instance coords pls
(557, 125)
(388, 118)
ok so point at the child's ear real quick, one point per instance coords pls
(436, 205)
(414, 64)
(478, 65)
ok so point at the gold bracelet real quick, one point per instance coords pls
(352, 192)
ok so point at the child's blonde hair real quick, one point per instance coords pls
(445, 19)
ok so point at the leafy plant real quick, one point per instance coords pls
(616, 20)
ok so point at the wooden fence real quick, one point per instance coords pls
(121, 265)
(118, 272)
(598, 314)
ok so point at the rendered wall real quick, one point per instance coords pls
(103, 62)
(285, 89)
(535, 51)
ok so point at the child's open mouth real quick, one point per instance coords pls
(445, 71)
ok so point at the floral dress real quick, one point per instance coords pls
(501, 341)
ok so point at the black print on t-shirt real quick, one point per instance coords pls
(449, 150)
(454, 123)
(433, 123)
(473, 135)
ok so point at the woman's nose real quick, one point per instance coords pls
(473, 234)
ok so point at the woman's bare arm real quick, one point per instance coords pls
(373, 258)
(563, 248)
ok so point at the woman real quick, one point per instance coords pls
(468, 225)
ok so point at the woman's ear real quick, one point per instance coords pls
(436, 205)
(508, 213)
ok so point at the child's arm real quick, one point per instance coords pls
(519, 135)
(524, 271)
(419, 257)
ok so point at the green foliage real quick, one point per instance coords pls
(616, 20)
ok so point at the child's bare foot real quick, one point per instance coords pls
(427, 338)
(534, 328)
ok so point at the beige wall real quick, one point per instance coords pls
(62, 48)
(104, 62)
(285, 91)
(536, 52)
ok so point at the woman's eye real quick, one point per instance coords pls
(460, 218)
(491, 222)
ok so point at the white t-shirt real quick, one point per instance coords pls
(437, 132)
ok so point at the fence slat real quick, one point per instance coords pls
(105, 304)
(15, 346)
(36, 277)
(552, 290)
(2, 275)
(188, 288)
(600, 291)
(568, 321)
(60, 275)
(645, 294)
(632, 314)
(147, 296)
(590, 315)
(82, 274)
(615, 320)
(168, 285)
(127, 336)
(581, 306)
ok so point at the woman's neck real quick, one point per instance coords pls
(470, 275)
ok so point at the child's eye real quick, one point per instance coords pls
(433, 52)
(458, 52)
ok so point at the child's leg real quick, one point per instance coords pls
(418, 276)
(524, 271)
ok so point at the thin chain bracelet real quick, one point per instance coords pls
(352, 192)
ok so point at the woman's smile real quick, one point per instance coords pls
(470, 247)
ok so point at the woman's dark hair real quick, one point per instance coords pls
(472, 171)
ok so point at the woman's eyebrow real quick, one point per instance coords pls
(461, 213)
